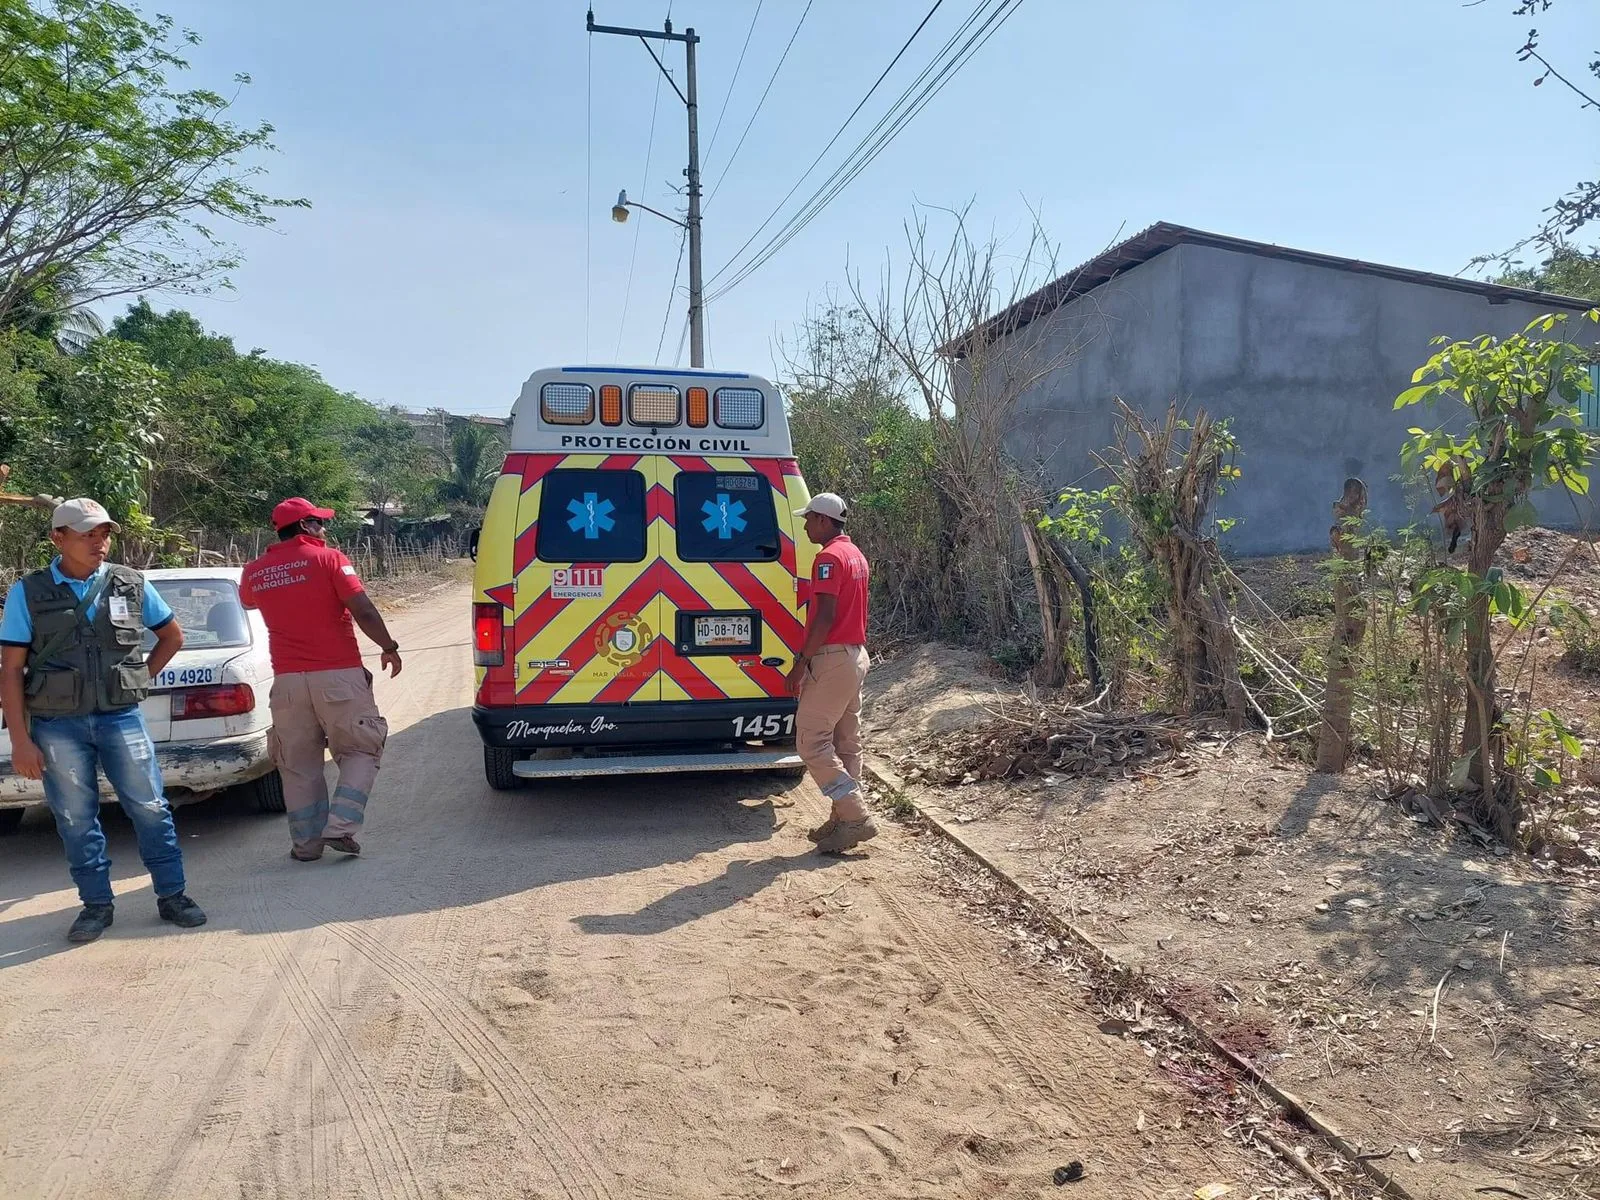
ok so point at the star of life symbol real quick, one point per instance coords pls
(723, 517)
(592, 515)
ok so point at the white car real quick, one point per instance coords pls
(207, 710)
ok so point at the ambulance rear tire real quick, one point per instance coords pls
(497, 764)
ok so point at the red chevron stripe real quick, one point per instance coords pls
(791, 468)
(524, 549)
(786, 554)
(773, 473)
(620, 462)
(779, 619)
(626, 686)
(536, 466)
(691, 464)
(659, 503)
(769, 679)
(688, 675)
(582, 649)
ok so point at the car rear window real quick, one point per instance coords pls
(725, 517)
(207, 610)
(591, 516)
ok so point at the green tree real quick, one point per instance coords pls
(109, 171)
(1520, 396)
(1568, 272)
(241, 431)
(393, 463)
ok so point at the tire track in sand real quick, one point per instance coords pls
(121, 1086)
(388, 1164)
(480, 1046)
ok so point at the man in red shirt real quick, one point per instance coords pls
(308, 594)
(828, 674)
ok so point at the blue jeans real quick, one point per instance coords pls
(121, 744)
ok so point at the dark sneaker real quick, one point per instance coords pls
(94, 920)
(344, 845)
(181, 911)
(824, 830)
(846, 835)
(306, 853)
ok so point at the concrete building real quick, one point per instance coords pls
(1304, 352)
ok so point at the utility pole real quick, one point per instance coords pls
(690, 98)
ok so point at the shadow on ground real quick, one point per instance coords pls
(437, 837)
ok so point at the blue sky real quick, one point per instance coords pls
(445, 152)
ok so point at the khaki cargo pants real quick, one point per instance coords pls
(828, 719)
(336, 710)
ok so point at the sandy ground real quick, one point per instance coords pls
(586, 991)
(1435, 1000)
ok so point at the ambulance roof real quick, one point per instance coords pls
(650, 410)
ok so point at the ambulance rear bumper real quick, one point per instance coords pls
(535, 726)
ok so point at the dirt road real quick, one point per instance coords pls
(587, 991)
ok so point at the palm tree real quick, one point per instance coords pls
(472, 463)
(56, 308)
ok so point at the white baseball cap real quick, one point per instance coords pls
(827, 504)
(82, 515)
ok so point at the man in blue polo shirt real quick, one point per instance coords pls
(72, 676)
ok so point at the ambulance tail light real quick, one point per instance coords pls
(699, 407)
(224, 700)
(488, 636)
(611, 405)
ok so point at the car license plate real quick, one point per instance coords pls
(722, 631)
(185, 677)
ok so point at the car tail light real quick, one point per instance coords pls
(223, 700)
(488, 635)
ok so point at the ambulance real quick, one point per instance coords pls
(640, 578)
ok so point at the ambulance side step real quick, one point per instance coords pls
(657, 764)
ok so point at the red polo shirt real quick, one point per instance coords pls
(300, 586)
(841, 570)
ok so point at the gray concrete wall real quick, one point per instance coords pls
(1305, 360)
(1124, 341)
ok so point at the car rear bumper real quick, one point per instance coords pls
(535, 726)
(188, 769)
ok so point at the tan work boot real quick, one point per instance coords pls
(823, 830)
(846, 835)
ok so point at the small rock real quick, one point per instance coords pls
(1483, 931)
(1070, 1173)
(1324, 906)
(1258, 917)
(1221, 918)
(1465, 964)
(1358, 902)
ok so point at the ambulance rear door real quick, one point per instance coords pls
(586, 620)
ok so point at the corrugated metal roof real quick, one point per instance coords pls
(1160, 237)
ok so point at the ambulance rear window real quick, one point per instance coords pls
(725, 517)
(591, 517)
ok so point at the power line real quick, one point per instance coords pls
(838, 133)
(644, 190)
(877, 139)
(773, 79)
(717, 128)
(671, 296)
(937, 73)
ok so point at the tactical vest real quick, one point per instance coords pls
(101, 667)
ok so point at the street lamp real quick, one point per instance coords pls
(619, 211)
